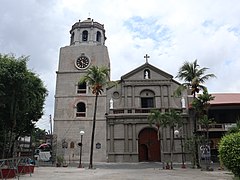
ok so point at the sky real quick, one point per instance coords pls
(171, 32)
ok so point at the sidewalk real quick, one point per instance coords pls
(124, 171)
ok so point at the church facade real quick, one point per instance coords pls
(129, 135)
(123, 132)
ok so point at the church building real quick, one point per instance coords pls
(123, 132)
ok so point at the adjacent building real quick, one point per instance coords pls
(225, 110)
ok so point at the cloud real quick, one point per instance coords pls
(171, 32)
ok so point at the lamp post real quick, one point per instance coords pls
(80, 144)
(176, 132)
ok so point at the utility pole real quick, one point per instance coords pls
(50, 121)
(51, 136)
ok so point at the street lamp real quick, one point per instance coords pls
(80, 144)
(176, 132)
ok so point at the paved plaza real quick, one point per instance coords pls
(125, 171)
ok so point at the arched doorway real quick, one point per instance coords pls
(148, 145)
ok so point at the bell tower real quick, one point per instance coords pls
(87, 32)
(74, 102)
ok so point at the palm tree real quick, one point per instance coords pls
(173, 118)
(96, 78)
(202, 102)
(160, 120)
(206, 122)
(193, 77)
(201, 105)
(157, 118)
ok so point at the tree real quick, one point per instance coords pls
(96, 78)
(38, 136)
(157, 118)
(173, 118)
(229, 152)
(205, 122)
(22, 96)
(193, 77)
(201, 105)
(236, 128)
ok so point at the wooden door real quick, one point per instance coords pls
(148, 145)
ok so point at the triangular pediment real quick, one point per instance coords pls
(146, 71)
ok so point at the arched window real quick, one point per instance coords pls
(147, 99)
(85, 35)
(72, 145)
(98, 38)
(146, 74)
(81, 88)
(81, 110)
(72, 38)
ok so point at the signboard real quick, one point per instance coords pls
(205, 151)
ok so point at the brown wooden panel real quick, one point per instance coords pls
(148, 145)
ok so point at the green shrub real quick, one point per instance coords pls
(229, 152)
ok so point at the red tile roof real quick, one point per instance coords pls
(226, 98)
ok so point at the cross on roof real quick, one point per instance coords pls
(146, 57)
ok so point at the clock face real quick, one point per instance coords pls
(82, 62)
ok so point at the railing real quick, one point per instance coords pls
(217, 127)
(12, 167)
(81, 91)
(80, 114)
(136, 110)
(131, 111)
(118, 111)
(142, 110)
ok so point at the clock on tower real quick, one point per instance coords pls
(82, 62)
